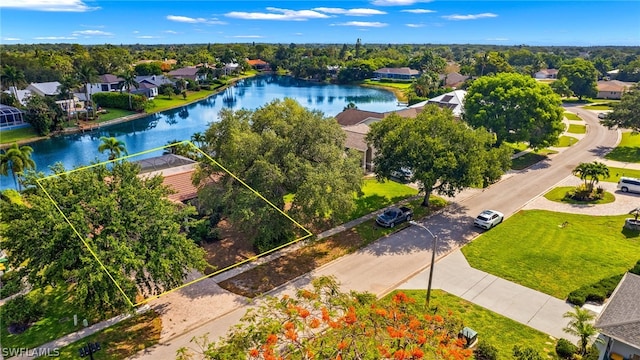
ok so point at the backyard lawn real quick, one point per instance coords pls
(628, 150)
(534, 249)
(495, 329)
(163, 102)
(11, 136)
(114, 114)
(377, 195)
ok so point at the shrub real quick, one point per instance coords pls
(565, 349)
(592, 353)
(485, 351)
(20, 312)
(635, 269)
(11, 284)
(528, 353)
(596, 292)
(119, 100)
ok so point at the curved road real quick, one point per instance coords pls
(385, 264)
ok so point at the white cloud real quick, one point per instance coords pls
(190, 20)
(11, 39)
(55, 38)
(148, 37)
(350, 12)
(170, 32)
(497, 39)
(418, 11)
(396, 2)
(298, 34)
(364, 24)
(136, 32)
(247, 36)
(91, 33)
(278, 14)
(470, 16)
(48, 5)
(415, 25)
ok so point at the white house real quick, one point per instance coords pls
(619, 321)
(453, 100)
(612, 89)
(45, 88)
(546, 74)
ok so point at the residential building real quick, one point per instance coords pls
(189, 72)
(403, 73)
(356, 140)
(45, 88)
(453, 79)
(612, 89)
(259, 64)
(453, 100)
(20, 95)
(619, 321)
(546, 74)
(148, 85)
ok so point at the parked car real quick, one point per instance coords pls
(488, 219)
(393, 216)
(403, 174)
(627, 184)
(602, 115)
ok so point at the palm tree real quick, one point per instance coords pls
(12, 75)
(128, 80)
(113, 145)
(198, 138)
(580, 325)
(591, 173)
(65, 91)
(87, 75)
(16, 159)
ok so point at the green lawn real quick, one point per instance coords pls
(533, 249)
(393, 84)
(380, 194)
(495, 329)
(577, 129)
(615, 174)
(566, 141)
(121, 340)
(628, 150)
(598, 107)
(558, 194)
(114, 114)
(11, 136)
(517, 147)
(56, 322)
(572, 116)
(526, 160)
(163, 102)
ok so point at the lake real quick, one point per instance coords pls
(158, 129)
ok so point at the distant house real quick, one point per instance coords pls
(453, 100)
(148, 85)
(613, 74)
(189, 72)
(20, 95)
(619, 321)
(546, 74)
(259, 65)
(106, 83)
(612, 89)
(453, 79)
(403, 73)
(45, 88)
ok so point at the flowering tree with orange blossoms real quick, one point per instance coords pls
(325, 323)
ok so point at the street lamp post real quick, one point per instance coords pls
(433, 258)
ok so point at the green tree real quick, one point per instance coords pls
(87, 75)
(444, 154)
(39, 114)
(429, 62)
(279, 149)
(425, 84)
(515, 108)
(582, 77)
(581, 325)
(114, 146)
(626, 113)
(126, 220)
(561, 87)
(12, 75)
(491, 62)
(325, 323)
(129, 80)
(591, 173)
(16, 159)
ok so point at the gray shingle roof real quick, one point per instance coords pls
(620, 318)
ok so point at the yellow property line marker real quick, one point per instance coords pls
(197, 149)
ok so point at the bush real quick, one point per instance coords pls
(592, 353)
(119, 100)
(596, 292)
(526, 353)
(485, 351)
(20, 312)
(635, 269)
(11, 284)
(565, 349)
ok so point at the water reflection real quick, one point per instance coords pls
(156, 129)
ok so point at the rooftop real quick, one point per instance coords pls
(620, 318)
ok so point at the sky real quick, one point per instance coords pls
(508, 22)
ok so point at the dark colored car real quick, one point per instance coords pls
(393, 216)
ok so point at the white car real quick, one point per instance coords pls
(602, 115)
(488, 219)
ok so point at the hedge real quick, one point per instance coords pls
(599, 291)
(119, 100)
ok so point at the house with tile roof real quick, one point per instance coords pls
(403, 73)
(612, 89)
(453, 79)
(259, 64)
(619, 321)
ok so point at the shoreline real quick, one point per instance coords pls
(90, 127)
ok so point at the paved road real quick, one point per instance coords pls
(389, 262)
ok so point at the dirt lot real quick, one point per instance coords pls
(232, 248)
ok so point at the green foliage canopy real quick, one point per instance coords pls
(515, 108)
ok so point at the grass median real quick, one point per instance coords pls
(628, 150)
